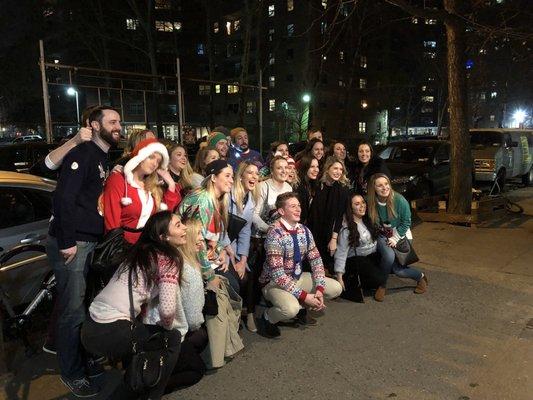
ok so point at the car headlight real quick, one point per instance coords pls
(404, 179)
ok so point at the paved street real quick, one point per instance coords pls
(467, 338)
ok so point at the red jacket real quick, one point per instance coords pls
(117, 215)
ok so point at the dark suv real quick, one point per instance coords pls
(419, 168)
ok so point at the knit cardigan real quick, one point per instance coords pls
(280, 267)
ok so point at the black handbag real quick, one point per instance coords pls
(235, 224)
(150, 352)
(211, 303)
(109, 252)
(405, 253)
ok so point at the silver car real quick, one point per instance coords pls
(25, 210)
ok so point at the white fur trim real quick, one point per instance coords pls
(126, 201)
(143, 154)
(163, 207)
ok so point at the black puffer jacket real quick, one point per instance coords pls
(362, 174)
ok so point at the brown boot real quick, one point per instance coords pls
(380, 294)
(422, 285)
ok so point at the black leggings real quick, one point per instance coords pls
(365, 268)
(114, 340)
(190, 367)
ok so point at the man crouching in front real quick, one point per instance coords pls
(290, 290)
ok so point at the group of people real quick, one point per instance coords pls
(267, 240)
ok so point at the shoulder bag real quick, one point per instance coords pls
(405, 253)
(150, 351)
(235, 223)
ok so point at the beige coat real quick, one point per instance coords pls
(223, 329)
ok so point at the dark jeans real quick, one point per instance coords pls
(362, 272)
(244, 286)
(251, 290)
(190, 367)
(71, 311)
(114, 340)
(389, 264)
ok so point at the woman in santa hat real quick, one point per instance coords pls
(132, 196)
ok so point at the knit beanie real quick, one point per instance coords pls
(141, 152)
(215, 138)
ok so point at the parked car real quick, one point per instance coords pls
(28, 138)
(419, 168)
(26, 204)
(501, 154)
(20, 157)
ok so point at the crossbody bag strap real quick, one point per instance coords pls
(132, 313)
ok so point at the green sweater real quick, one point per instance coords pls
(402, 221)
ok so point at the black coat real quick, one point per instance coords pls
(362, 174)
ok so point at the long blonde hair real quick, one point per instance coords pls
(239, 192)
(329, 162)
(188, 250)
(220, 204)
(185, 180)
(372, 203)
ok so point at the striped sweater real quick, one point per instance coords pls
(281, 265)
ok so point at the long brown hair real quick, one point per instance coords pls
(353, 236)
(372, 204)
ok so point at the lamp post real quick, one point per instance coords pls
(306, 99)
(519, 116)
(73, 92)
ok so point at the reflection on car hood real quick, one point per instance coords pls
(484, 152)
(400, 169)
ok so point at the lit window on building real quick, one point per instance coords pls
(428, 99)
(272, 105)
(272, 81)
(426, 109)
(430, 54)
(364, 104)
(132, 24)
(325, 4)
(342, 83)
(204, 90)
(362, 127)
(250, 107)
(236, 24)
(345, 10)
(271, 10)
(431, 21)
(271, 59)
(430, 44)
(482, 51)
(271, 34)
(290, 30)
(216, 27)
(482, 96)
(324, 57)
(341, 55)
(424, 88)
(228, 28)
(414, 20)
(217, 88)
(363, 62)
(200, 49)
(290, 5)
(323, 27)
(493, 95)
(163, 5)
(232, 89)
(164, 26)
(362, 83)
(492, 118)
(430, 79)
(177, 26)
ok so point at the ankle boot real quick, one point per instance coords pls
(422, 285)
(380, 294)
(250, 323)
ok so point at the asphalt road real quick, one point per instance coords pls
(466, 338)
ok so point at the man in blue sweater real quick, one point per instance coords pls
(240, 150)
(75, 228)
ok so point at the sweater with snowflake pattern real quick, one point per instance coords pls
(281, 264)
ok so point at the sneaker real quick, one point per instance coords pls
(250, 323)
(380, 294)
(267, 329)
(49, 346)
(303, 318)
(94, 368)
(81, 387)
(422, 285)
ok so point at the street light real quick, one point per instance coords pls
(306, 98)
(519, 117)
(73, 92)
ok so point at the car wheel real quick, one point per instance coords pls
(527, 178)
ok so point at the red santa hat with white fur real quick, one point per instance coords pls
(141, 152)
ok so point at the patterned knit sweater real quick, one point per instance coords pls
(281, 264)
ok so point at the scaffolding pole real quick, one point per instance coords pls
(180, 100)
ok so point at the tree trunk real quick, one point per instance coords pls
(460, 198)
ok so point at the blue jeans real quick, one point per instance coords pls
(389, 264)
(70, 280)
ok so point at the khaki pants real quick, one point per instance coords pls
(285, 306)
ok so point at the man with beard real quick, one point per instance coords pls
(239, 150)
(75, 228)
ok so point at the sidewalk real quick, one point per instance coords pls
(466, 339)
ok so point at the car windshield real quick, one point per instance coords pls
(486, 138)
(407, 154)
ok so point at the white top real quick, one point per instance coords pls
(344, 250)
(268, 193)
